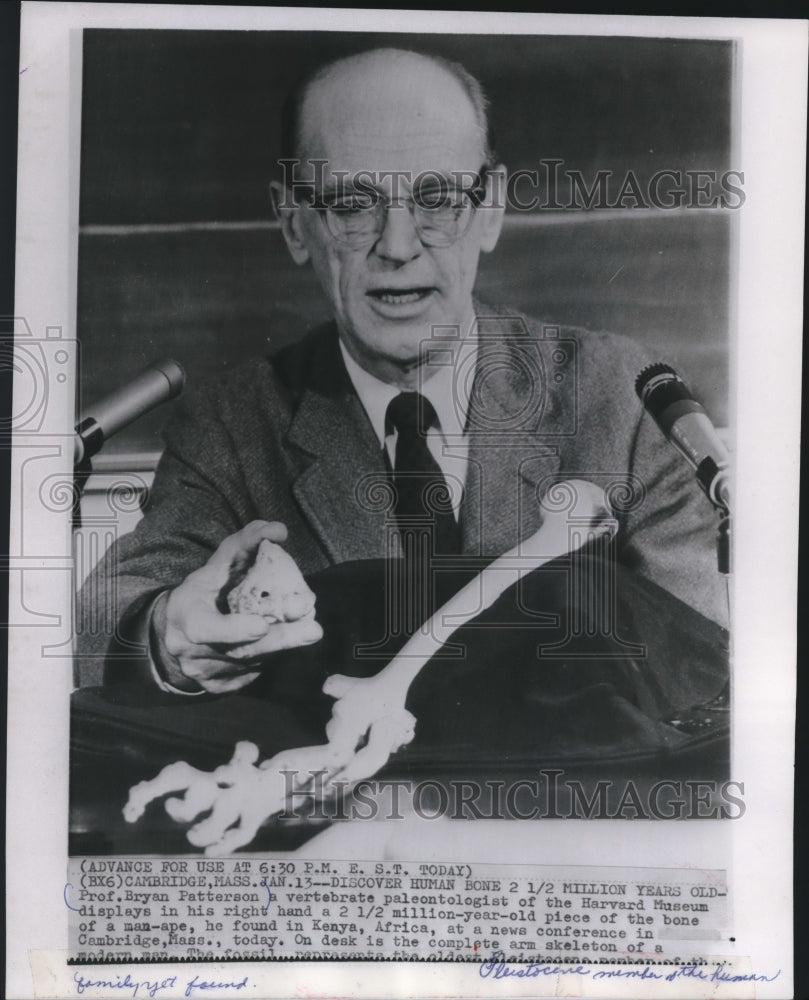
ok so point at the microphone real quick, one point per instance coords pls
(688, 427)
(160, 382)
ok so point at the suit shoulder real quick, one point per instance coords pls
(601, 344)
(258, 382)
(238, 387)
(610, 360)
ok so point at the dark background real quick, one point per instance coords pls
(181, 128)
(184, 125)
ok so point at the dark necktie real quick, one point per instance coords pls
(423, 505)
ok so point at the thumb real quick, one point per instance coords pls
(242, 545)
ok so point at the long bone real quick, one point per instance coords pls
(371, 705)
(369, 720)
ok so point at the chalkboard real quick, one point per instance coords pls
(178, 254)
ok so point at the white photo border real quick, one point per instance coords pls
(768, 308)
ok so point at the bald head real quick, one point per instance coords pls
(390, 97)
(390, 198)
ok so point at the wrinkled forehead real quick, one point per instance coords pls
(408, 115)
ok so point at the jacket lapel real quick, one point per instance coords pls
(513, 437)
(514, 426)
(341, 488)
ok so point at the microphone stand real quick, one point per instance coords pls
(82, 470)
(713, 714)
(724, 535)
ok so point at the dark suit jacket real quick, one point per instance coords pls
(287, 439)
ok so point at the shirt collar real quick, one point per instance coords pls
(448, 394)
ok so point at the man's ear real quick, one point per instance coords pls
(493, 208)
(289, 217)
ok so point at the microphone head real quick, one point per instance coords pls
(664, 394)
(685, 423)
(653, 375)
(174, 373)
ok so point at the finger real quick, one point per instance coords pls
(280, 635)
(220, 676)
(338, 685)
(203, 664)
(205, 627)
(243, 543)
(227, 685)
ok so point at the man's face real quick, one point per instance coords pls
(403, 118)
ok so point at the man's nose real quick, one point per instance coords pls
(399, 240)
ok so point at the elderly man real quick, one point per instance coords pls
(392, 196)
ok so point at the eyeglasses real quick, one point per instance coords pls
(441, 210)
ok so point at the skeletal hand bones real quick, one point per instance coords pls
(369, 718)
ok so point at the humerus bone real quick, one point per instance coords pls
(364, 704)
(369, 720)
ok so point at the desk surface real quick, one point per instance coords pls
(599, 709)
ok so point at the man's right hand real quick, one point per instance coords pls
(197, 646)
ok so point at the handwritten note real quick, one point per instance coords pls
(496, 967)
(155, 987)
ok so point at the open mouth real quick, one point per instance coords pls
(400, 296)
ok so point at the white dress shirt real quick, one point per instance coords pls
(447, 387)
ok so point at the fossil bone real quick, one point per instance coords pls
(369, 719)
